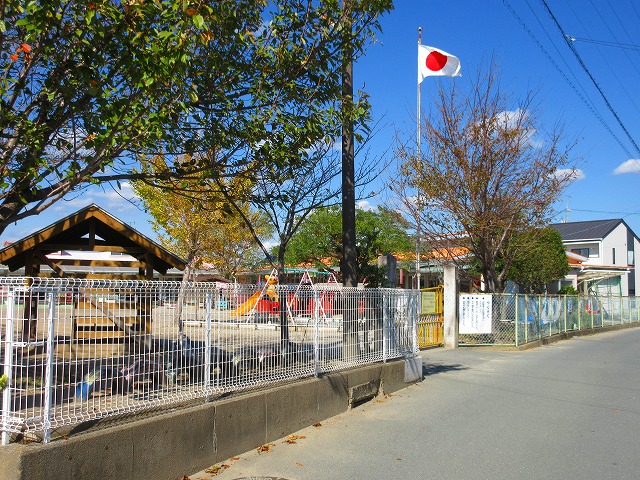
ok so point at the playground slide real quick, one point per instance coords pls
(247, 306)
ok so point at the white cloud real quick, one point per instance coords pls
(270, 244)
(512, 118)
(572, 173)
(630, 166)
(365, 205)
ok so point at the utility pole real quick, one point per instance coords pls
(349, 263)
(350, 344)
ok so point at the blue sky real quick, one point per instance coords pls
(532, 55)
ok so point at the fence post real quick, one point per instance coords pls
(385, 328)
(48, 377)
(450, 314)
(629, 308)
(316, 333)
(539, 316)
(208, 303)
(620, 312)
(414, 323)
(526, 318)
(565, 312)
(8, 366)
(515, 320)
(579, 312)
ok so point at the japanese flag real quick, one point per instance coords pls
(434, 62)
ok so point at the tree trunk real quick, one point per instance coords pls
(282, 298)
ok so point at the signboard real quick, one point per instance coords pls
(475, 314)
(428, 303)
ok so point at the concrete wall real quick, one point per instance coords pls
(188, 440)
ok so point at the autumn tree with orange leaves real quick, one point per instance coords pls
(488, 170)
(193, 219)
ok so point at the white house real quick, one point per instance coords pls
(601, 255)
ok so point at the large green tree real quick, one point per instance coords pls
(319, 240)
(539, 258)
(86, 87)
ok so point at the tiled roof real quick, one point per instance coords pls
(590, 230)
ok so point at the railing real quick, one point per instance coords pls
(75, 351)
(511, 319)
(431, 320)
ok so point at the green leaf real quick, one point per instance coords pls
(198, 21)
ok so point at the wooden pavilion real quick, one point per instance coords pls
(92, 229)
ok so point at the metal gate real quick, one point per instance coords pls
(431, 321)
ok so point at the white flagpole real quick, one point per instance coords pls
(418, 156)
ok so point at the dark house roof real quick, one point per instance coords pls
(590, 230)
(89, 229)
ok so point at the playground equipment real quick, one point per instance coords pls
(303, 302)
(264, 301)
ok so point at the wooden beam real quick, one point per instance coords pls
(99, 263)
(98, 276)
(58, 247)
(92, 232)
(52, 265)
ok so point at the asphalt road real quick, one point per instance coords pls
(570, 410)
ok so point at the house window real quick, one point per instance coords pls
(581, 251)
(630, 257)
(613, 255)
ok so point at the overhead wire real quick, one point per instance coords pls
(633, 6)
(590, 106)
(606, 211)
(622, 25)
(604, 57)
(559, 53)
(612, 70)
(627, 46)
(588, 72)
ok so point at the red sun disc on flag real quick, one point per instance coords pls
(436, 61)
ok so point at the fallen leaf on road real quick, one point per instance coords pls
(265, 448)
(293, 438)
(317, 424)
(298, 464)
(216, 469)
(235, 458)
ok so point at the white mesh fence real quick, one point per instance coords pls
(519, 319)
(80, 350)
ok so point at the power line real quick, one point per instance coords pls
(622, 25)
(559, 53)
(633, 6)
(593, 80)
(613, 70)
(625, 214)
(605, 58)
(627, 46)
(586, 101)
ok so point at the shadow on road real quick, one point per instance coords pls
(435, 368)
